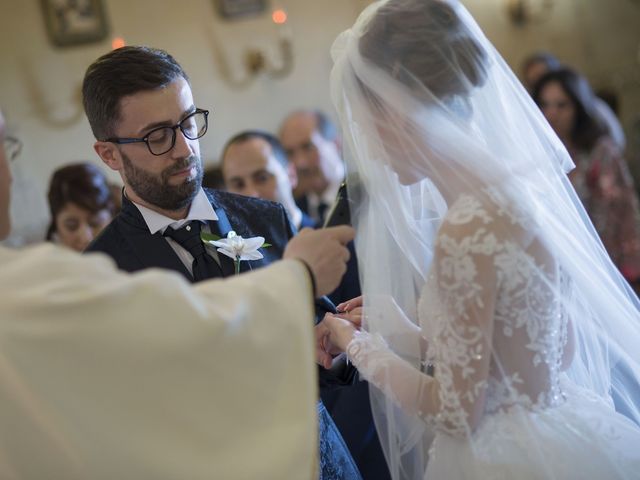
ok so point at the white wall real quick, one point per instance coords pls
(39, 83)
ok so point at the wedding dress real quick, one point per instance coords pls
(528, 400)
(499, 338)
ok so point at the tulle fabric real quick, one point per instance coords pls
(582, 438)
(452, 191)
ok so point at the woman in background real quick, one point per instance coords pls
(601, 177)
(81, 204)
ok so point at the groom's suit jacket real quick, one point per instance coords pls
(128, 241)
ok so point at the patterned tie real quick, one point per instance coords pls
(204, 267)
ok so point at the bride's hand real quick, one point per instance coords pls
(332, 334)
(340, 332)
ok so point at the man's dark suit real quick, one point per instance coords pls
(128, 241)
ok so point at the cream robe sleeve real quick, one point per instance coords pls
(105, 375)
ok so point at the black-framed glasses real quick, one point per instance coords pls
(12, 146)
(162, 139)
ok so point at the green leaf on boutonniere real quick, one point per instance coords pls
(265, 245)
(209, 237)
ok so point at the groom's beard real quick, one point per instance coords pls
(155, 189)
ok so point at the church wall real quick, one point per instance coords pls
(39, 83)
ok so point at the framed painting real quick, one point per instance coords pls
(75, 22)
(232, 9)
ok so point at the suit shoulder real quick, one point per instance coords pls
(109, 239)
(233, 200)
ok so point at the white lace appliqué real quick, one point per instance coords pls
(525, 312)
(488, 311)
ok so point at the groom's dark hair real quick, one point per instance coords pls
(119, 73)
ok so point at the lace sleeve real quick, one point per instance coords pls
(460, 306)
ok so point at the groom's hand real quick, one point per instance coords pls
(326, 349)
(325, 254)
(352, 310)
(340, 332)
(323, 357)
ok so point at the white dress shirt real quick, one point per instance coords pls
(200, 210)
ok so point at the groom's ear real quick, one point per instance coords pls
(109, 154)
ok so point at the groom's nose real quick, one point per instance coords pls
(183, 147)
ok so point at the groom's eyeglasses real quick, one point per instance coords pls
(162, 139)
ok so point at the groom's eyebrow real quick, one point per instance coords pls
(167, 123)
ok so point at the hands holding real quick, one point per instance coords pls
(325, 253)
(334, 332)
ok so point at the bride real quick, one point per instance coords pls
(499, 339)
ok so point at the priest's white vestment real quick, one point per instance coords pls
(107, 375)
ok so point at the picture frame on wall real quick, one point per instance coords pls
(234, 9)
(75, 22)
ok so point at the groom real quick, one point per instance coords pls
(141, 110)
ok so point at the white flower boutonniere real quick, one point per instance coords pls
(238, 248)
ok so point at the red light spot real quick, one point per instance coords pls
(279, 16)
(117, 42)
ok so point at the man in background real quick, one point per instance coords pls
(255, 164)
(310, 141)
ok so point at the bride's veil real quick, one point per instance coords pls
(429, 111)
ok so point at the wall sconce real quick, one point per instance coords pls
(256, 62)
(58, 111)
(523, 12)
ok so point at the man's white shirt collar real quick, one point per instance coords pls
(200, 209)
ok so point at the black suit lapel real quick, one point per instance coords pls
(222, 228)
